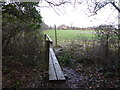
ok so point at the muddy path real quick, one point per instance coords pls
(73, 80)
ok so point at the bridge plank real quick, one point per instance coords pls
(52, 74)
(58, 70)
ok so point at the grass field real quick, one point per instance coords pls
(70, 35)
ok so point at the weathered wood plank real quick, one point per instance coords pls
(58, 70)
(52, 74)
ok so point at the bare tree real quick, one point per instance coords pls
(93, 5)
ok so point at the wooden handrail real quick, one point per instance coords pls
(52, 64)
(48, 38)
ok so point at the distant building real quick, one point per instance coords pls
(63, 27)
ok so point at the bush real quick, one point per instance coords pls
(22, 43)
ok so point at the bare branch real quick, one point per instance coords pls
(99, 6)
(57, 4)
(54, 9)
(113, 3)
(93, 5)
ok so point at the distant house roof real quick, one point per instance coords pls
(63, 27)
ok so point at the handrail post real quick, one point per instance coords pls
(47, 53)
(48, 43)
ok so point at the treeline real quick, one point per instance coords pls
(65, 27)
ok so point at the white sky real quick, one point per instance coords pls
(77, 16)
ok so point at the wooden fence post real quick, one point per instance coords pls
(55, 36)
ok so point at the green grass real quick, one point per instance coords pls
(70, 35)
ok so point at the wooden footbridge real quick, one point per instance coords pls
(54, 69)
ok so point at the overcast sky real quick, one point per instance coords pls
(78, 16)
